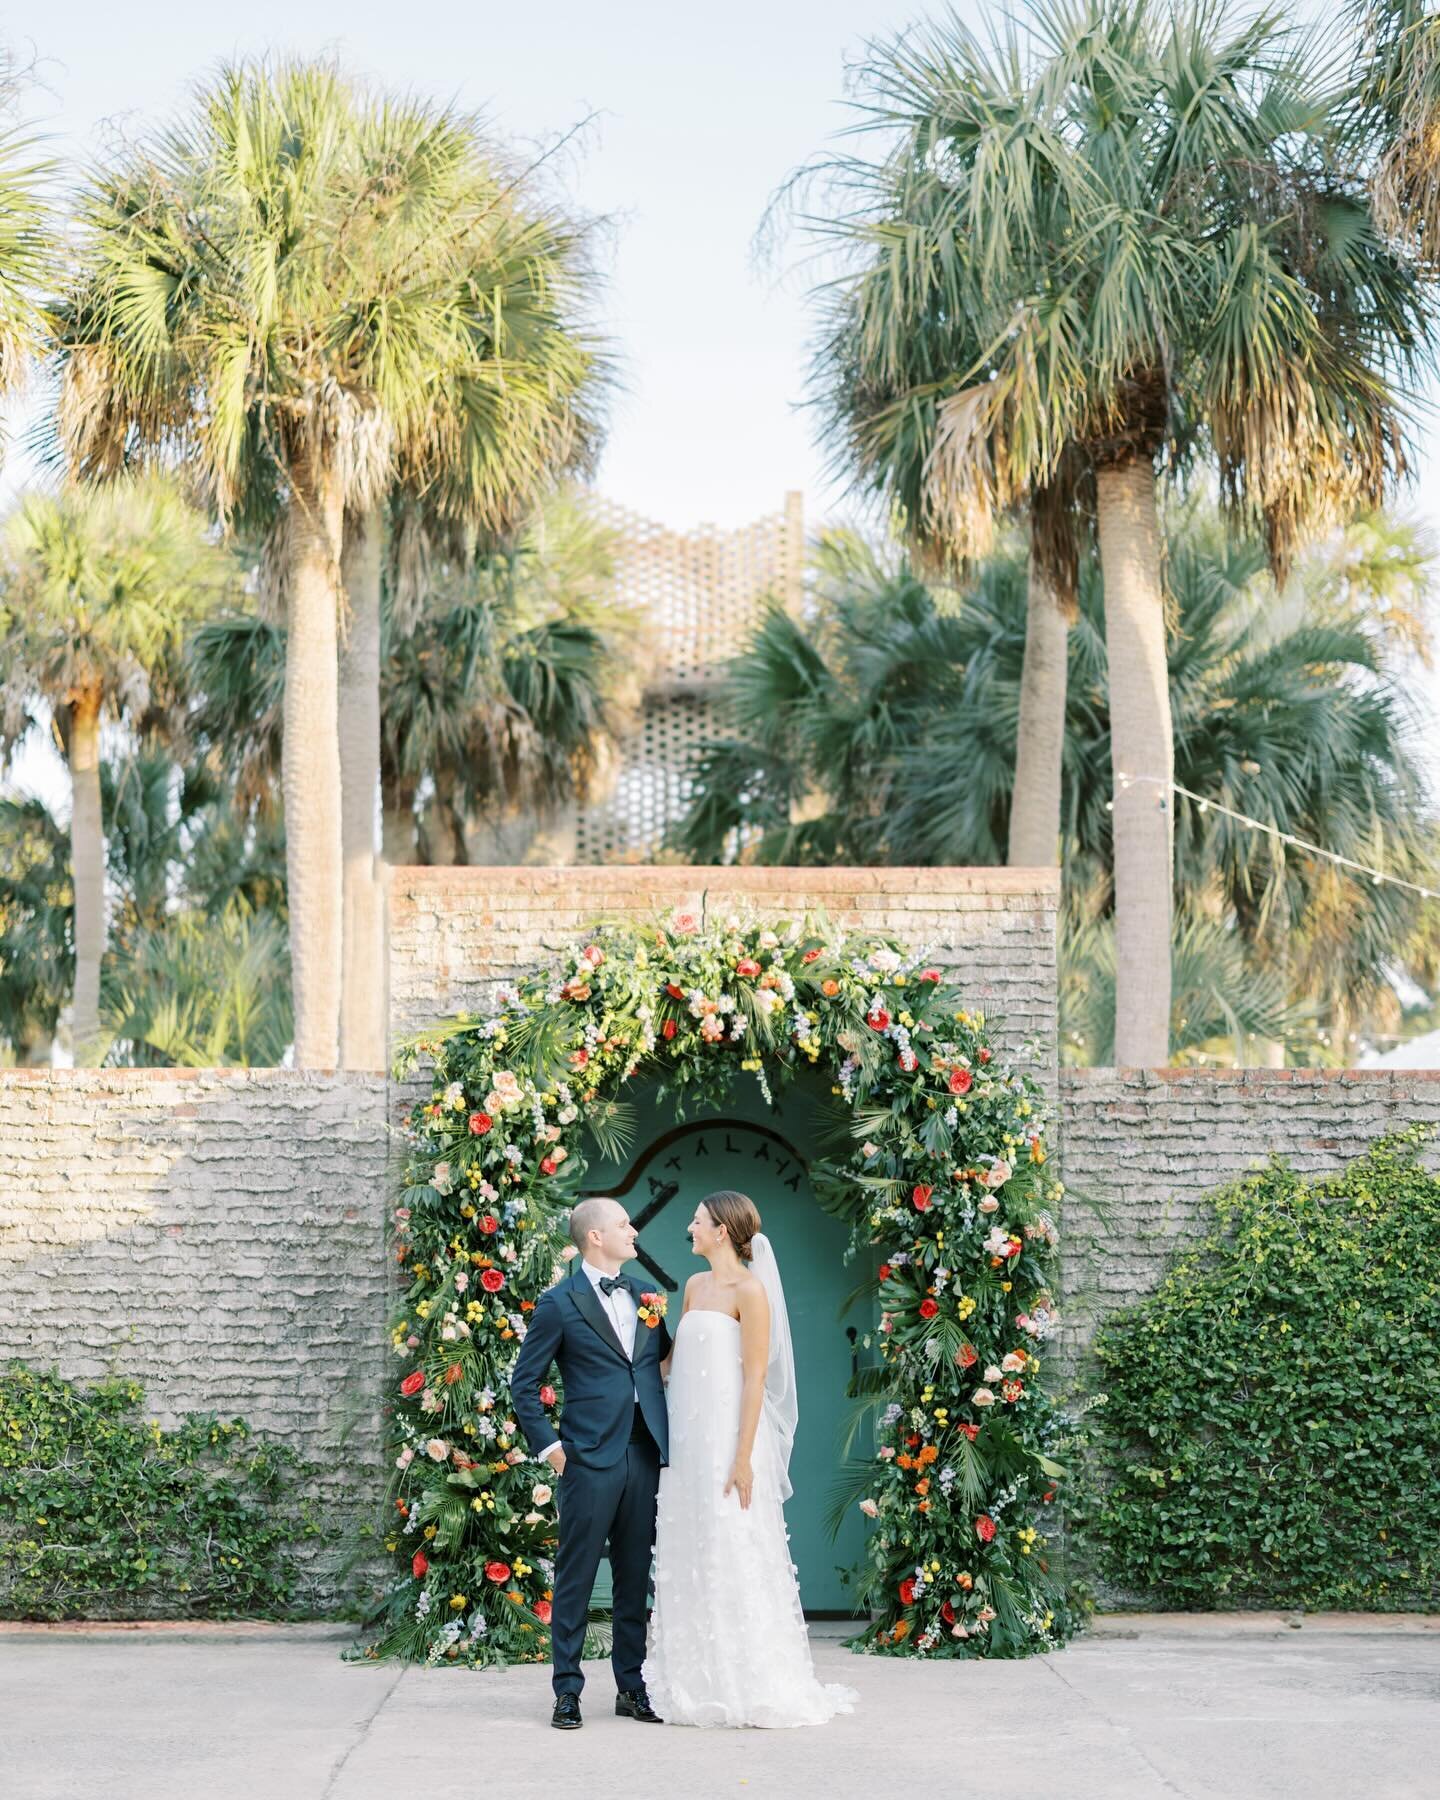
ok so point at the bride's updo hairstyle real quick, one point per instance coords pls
(738, 1214)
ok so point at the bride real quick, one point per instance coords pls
(727, 1643)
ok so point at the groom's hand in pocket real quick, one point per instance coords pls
(556, 1460)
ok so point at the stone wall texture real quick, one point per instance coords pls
(1140, 1149)
(219, 1235)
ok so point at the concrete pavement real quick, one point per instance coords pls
(1144, 1709)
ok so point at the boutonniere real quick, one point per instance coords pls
(652, 1309)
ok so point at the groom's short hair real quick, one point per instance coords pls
(588, 1216)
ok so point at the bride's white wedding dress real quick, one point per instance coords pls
(727, 1644)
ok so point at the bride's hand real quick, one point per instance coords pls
(742, 1479)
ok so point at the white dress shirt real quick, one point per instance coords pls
(621, 1310)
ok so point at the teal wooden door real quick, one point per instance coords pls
(748, 1148)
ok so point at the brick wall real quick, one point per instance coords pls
(455, 932)
(216, 1235)
(1140, 1149)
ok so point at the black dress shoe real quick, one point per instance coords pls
(566, 1716)
(634, 1703)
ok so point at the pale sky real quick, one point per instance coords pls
(701, 112)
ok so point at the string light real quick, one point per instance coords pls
(1378, 877)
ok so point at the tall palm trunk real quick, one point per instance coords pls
(87, 862)
(362, 987)
(1035, 804)
(1141, 745)
(310, 760)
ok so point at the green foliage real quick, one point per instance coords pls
(890, 709)
(1271, 1429)
(105, 1515)
(938, 1163)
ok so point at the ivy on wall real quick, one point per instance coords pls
(104, 1515)
(1271, 1429)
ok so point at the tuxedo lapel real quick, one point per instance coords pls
(594, 1314)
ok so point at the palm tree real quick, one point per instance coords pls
(1192, 279)
(26, 244)
(276, 287)
(98, 589)
(506, 694)
(37, 965)
(1396, 122)
(520, 411)
(902, 707)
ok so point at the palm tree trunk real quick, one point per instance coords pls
(87, 862)
(1035, 802)
(310, 760)
(398, 822)
(1142, 749)
(362, 986)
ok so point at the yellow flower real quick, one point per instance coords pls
(429, 1531)
(457, 1601)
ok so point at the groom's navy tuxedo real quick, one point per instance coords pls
(615, 1435)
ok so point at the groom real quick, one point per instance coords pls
(614, 1437)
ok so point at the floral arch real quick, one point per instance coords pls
(939, 1169)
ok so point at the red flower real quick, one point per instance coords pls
(878, 1019)
(418, 1565)
(928, 1308)
(480, 1123)
(907, 1591)
(667, 1030)
(674, 990)
(982, 1056)
(930, 975)
(947, 1613)
(884, 1273)
(913, 1440)
(488, 1223)
(810, 956)
(541, 1610)
(594, 955)
(960, 1081)
(497, 1572)
(453, 1374)
(985, 1528)
(1015, 1247)
(491, 1280)
(747, 965)
(971, 1432)
(966, 1356)
(1048, 1495)
(547, 1395)
(920, 1195)
(908, 1061)
(579, 1058)
(413, 1383)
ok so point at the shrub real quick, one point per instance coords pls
(1272, 1429)
(105, 1515)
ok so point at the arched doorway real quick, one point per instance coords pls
(766, 1155)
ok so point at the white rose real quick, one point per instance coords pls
(437, 1449)
(540, 1494)
(982, 1397)
(992, 1373)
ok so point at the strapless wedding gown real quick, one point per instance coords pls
(727, 1642)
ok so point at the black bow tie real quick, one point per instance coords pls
(609, 1283)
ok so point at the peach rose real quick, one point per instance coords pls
(998, 1173)
(989, 1204)
(982, 1397)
